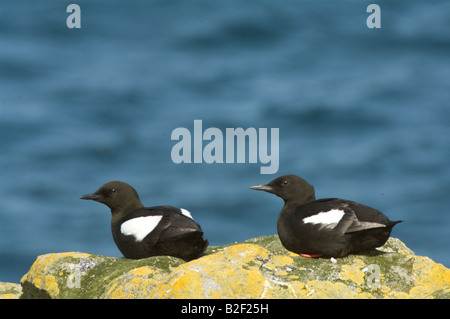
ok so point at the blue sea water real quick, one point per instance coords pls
(363, 114)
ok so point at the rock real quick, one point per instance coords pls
(80, 275)
(257, 268)
(262, 268)
(10, 290)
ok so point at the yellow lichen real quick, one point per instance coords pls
(51, 285)
(359, 263)
(247, 251)
(143, 271)
(429, 277)
(278, 261)
(232, 273)
(110, 291)
(353, 272)
(190, 280)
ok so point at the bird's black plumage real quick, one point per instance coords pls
(329, 227)
(141, 232)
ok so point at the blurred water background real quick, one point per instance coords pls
(363, 114)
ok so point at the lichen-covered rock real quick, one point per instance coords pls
(257, 268)
(262, 268)
(10, 290)
(80, 275)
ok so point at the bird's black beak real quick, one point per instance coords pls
(92, 196)
(265, 188)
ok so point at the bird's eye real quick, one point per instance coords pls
(285, 182)
(113, 190)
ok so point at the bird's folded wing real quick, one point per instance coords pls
(349, 223)
(173, 226)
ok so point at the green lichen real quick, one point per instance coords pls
(111, 268)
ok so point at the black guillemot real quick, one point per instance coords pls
(141, 232)
(329, 227)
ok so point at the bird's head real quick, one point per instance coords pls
(118, 196)
(291, 188)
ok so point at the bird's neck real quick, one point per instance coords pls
(122, 210)
(300, 201)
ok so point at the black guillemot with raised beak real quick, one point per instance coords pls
(141, 232)
(329, 227)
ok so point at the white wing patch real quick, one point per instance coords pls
(186, 213)
(325, 218)
(140, 227)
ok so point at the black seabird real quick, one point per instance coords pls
(141, 232)
(329, 227)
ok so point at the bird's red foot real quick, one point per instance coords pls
(312, 255)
